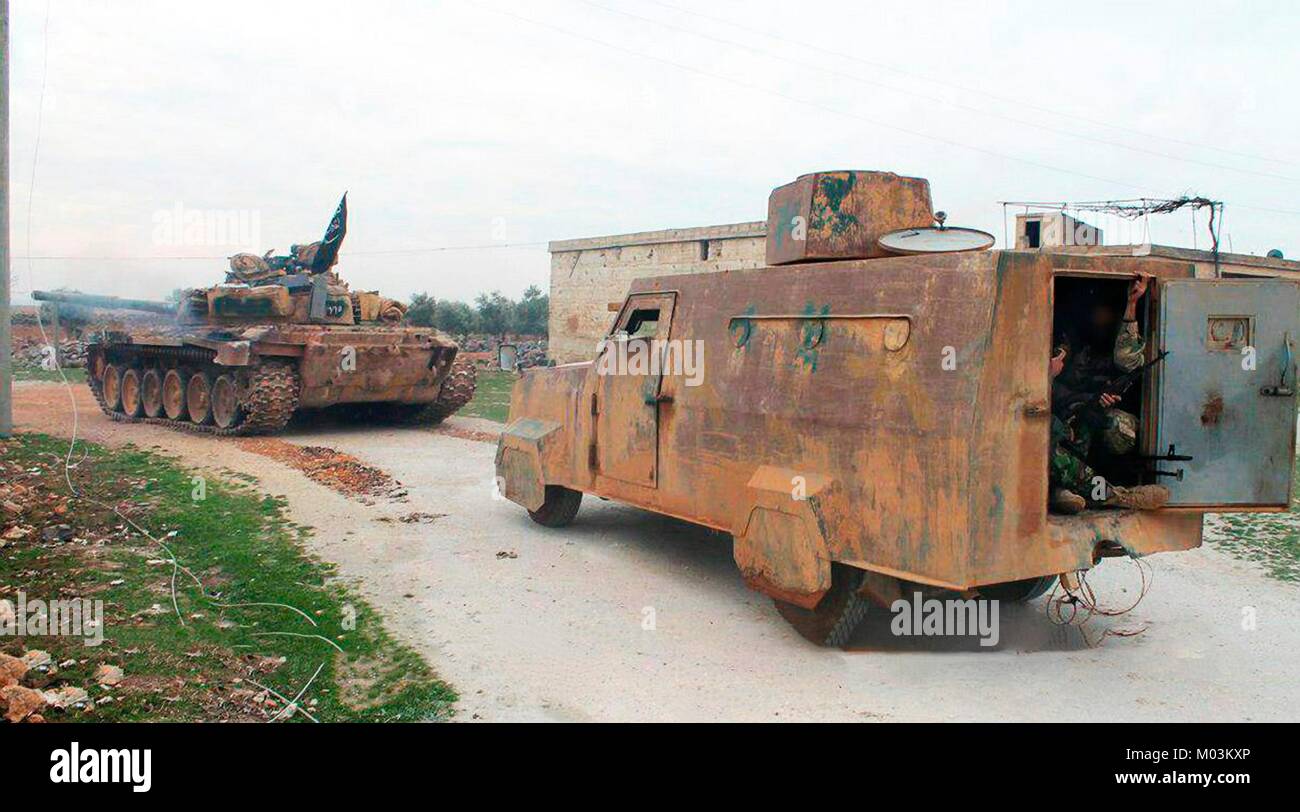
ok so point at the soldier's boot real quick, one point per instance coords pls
(1139, 497)
(1068, 502)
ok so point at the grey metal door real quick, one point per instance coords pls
(1227, 390)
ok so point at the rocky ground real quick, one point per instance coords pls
(185, 595)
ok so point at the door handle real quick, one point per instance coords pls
(1037, 408)
(657, 399)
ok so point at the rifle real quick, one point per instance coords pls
(1089, 402)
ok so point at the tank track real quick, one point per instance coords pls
(457, 390)
(269, 403)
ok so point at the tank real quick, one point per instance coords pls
(280, 335)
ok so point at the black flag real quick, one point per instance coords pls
(334, 234)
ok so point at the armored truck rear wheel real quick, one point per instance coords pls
(1018, 591)
(832, 621)
(560, 506)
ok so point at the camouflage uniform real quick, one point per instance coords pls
(1068, 470)
(1130, 347)
(1118, 430)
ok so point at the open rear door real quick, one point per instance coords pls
(1227, 391)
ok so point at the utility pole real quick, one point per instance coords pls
(6, 339)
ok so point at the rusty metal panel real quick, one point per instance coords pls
(832, 370)
(840, 215)
(520, 450)
(1010, 430)
(1227, 390)
(779, 546)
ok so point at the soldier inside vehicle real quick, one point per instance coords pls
(1098, 358)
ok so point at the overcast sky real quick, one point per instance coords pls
(508, 124)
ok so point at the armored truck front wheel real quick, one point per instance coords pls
(560, 506)
(832, 621)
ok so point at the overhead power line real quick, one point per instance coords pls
(427, 250)
(967, 89)
(936, 99)
(826, 108)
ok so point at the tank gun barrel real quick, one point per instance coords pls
(105, 302)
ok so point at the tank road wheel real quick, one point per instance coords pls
(559, 508)
(1018, 591)
(225, 402)
(198, 398)
(131, 405)
(112, 388)
(151, 397)
(173, 395)
(832, 621)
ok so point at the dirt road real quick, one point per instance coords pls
(628, 616)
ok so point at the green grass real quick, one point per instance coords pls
(1272, 540)
(25, 373)
(240, 544)
(491, 395)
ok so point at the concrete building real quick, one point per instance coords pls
(589, 275)
(1058, 233)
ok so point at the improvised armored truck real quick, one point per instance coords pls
(863, 426)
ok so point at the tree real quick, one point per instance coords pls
(456, 318)
(422, 310)
(494, 313)
(532, 312)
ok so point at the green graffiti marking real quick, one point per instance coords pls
(742, 329)
(813, 333)
(835, 189)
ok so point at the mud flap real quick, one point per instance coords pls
(520, 451)
(781, 546)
